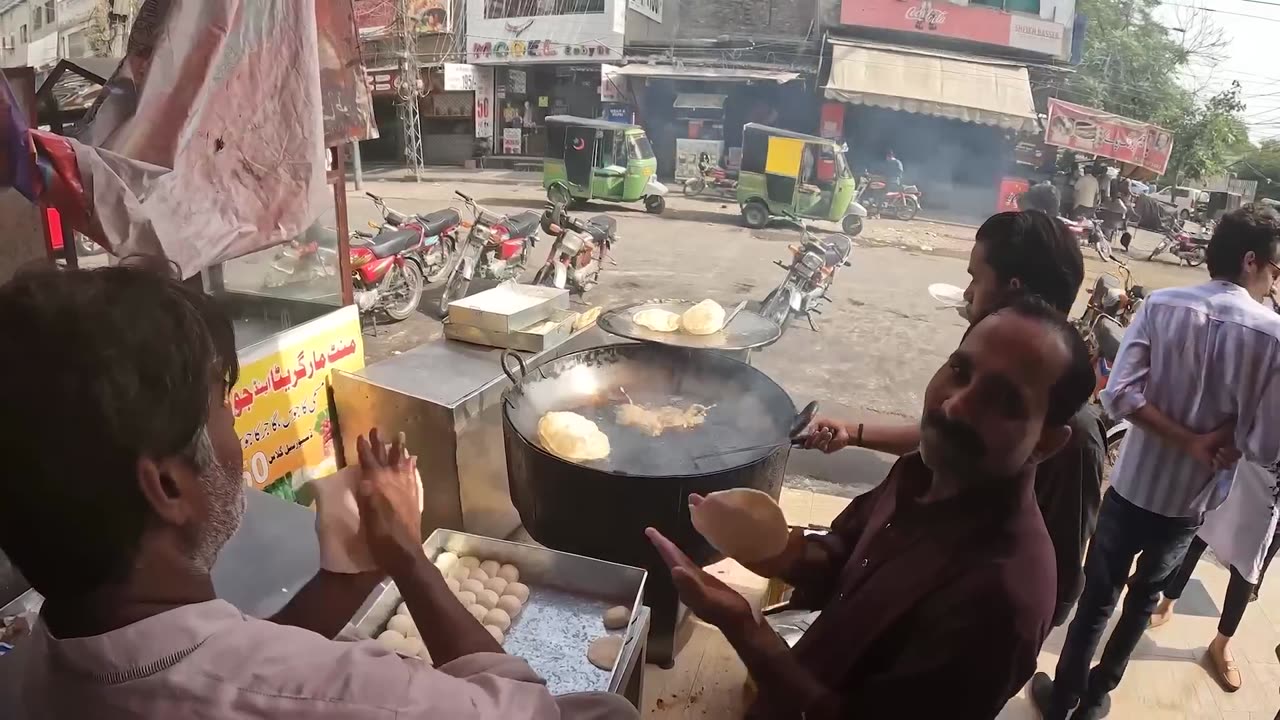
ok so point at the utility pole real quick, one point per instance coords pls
(409, 92)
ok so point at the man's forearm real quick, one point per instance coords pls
(892, 439)
(785, 686)
(448, 629)
(1149, 417)
(328, 601)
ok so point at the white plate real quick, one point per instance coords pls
(948, 295)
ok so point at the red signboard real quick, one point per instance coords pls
(1011, 188)
(975, 23)
(1099, 133)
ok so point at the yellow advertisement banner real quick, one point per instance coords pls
(281, 402)
(784, 156)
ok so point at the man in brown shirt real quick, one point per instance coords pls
(938, 587)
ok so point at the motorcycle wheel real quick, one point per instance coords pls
(409, 293)
(455, 288)
(544, 277)
(693, 187)
(1197, 259)
(1109, 462)
(777, 309)
(1159, 249)
(906, 211)
(852, 225)
(440, 270)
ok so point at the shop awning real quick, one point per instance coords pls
(690, 72)
(972, 89)
(699, 101)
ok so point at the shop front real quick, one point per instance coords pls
(546, 60)
(446, 114)
(953, 120)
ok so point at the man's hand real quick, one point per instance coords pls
(709, 598)
(1215, 449)
(827, 435)
(389, 502)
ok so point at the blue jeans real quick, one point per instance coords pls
(1124, 531)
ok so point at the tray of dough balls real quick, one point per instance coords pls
(572, 618)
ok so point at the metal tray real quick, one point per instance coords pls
(538, 337)
(567, 600)
(508, 307)
(747, 331)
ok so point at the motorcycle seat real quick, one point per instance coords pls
(601, 227)
(439, 221)
(386, 244)
(730, 174)
(522, 224)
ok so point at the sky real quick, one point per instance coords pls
(1251, 29)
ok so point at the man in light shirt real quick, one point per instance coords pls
(1199, 376)
(1086, 193)
(119, 531)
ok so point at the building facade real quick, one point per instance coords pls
(957, 73)
(15, 32)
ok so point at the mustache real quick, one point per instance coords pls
(956, 434)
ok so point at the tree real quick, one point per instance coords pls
(1131, 66)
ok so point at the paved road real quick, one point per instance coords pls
(879, 339)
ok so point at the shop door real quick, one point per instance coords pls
(579, 159)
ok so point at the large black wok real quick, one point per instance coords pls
(600, 509)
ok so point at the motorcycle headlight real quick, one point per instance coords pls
(811, 262)
(572, 243)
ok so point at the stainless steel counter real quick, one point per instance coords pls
(446, 396)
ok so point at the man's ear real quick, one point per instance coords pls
(1052, 440)
(1014, 285)
(168, 488)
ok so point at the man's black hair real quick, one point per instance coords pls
(109, 366)
(1076, 384)
(1252, 228)
(1037, 250)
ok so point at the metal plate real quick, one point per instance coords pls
(747, 331)
(508, 307)
(567, 599)
(535, 338)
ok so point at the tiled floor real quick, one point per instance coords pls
(1164, 680)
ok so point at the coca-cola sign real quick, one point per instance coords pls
(975, 23)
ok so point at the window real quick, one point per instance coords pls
(37, 19)
(537, 8)
(48, 12)
(22, 34)
(639, 147)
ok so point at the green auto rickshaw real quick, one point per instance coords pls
(788, 174)
(600, 160)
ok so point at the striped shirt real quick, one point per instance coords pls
(1201, 355)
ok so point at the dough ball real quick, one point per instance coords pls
(490, 567)
(459, 573)
(479, 612)
(446, 560)
(509, 572)
(511, 604)
(520, 590)
(425, 656)
(572, 437)
(496, 633)
(498, 618)
(487, 598)
(454, 586)
(496, 584)
(616, 618)
(391, 640)
(705, 318)
(403, 610)
(469, 562)
(603, 651)
(744, 524)
(403, 624)
(473, 586)
(467, 598)
(480, 575)
(657, 320)
(412, 647)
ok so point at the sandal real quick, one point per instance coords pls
(1227, 674)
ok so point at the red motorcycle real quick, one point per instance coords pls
(717, 178)
(874, 194)
(496, 248)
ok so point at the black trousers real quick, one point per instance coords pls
(1124, 531)
(1239, 590)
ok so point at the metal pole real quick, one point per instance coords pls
(344, 229)
(357, 165)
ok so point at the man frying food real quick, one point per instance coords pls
(937, 588)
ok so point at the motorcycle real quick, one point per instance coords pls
(812, 270)
(874, 194)
(1188, 248)
(437, 231)
(573, 261)
(496, 248)
(718, 178)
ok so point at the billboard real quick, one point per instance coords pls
(1095, 132)
(975, 23)
(378, 17)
